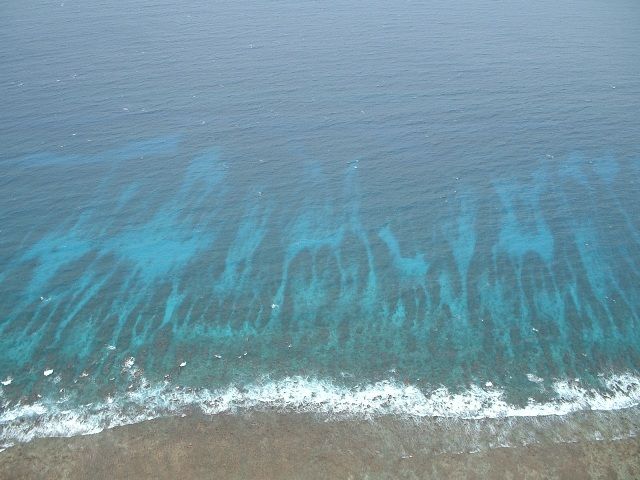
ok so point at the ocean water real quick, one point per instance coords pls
(422, 209)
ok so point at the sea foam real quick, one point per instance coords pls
(22, 423)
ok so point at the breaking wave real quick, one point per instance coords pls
(22, 423)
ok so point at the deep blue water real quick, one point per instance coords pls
(431, 193)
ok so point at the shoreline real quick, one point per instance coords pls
(298, 445)
(576, 413)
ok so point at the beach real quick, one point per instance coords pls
(271, 445)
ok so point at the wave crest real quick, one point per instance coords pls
(22, 423)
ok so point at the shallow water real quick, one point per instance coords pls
(259, 445)
(440, 199)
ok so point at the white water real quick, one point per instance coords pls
(23, 423)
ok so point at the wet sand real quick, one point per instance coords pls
(267, 445)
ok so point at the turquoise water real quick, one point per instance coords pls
(272, 203)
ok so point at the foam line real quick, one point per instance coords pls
(23, 423)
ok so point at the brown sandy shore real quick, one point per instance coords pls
(266, 445)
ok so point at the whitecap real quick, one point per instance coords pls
(47, 418)
(533, 378)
